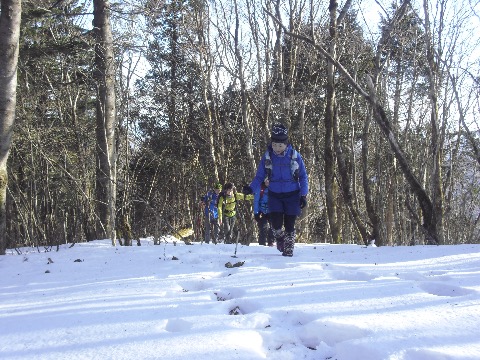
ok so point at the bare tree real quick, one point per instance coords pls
(429, 224)
(10, 17)
(243, 90)
(106, 117)
(436, 221)
(329, 170)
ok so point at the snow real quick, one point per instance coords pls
(326, 302)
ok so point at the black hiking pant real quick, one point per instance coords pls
(264, 231)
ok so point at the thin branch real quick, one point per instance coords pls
(325, 53)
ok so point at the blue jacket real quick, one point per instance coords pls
(260, 203)
(281, 180)
(210, 200)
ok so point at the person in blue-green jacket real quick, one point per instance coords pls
(209, 204)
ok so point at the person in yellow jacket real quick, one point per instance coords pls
(227, 201)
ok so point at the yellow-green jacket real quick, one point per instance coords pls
(227, 204)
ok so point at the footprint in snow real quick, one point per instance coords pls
(346, 273)
(441, 289)
(177, 325)
(232, 302)
(415, 276)
(318, 332)
(293, 329)
(229, 294)
(195, 285)
(351, 275)
(328, 266)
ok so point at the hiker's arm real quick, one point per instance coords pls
(242, 196)
(256, 202)
(259, 176)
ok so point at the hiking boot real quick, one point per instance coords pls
(289, 244)
(279, 237)
(280, 244)
(270, 244)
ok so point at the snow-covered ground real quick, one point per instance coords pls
(177, 301)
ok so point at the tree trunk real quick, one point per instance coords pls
(10, 16)
(106, 122)
(243, 92)
(360, 229)
(436, 176)
(329, 170)
(369, 203)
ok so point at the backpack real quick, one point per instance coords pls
(224, 196)
(293, 164)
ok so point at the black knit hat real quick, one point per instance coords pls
(279, 133)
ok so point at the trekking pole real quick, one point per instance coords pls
(236, 245)
(238, 233)
(200, 225)
(203, 220)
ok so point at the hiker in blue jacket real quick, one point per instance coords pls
(283, 166)
(209, 204)
(261, 214)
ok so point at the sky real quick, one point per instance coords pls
(205, 301)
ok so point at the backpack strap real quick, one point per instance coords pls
(220, 195)
(294, 167)
(294, 164)
(268, 164)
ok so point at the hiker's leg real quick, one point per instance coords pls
(276, 219)
(270, 237)
(215, 230)
(232, 227)
(262, 230)
(207, 229)
(291, 211)
(289, 223)
(226, 230)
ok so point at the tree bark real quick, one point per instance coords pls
(10, 17)
(436, 176)
(366, 183)
(106, 118)
(243, 94)
(330, 120)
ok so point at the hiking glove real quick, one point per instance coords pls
(247, 190)
(258, 216)
(303, 201)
